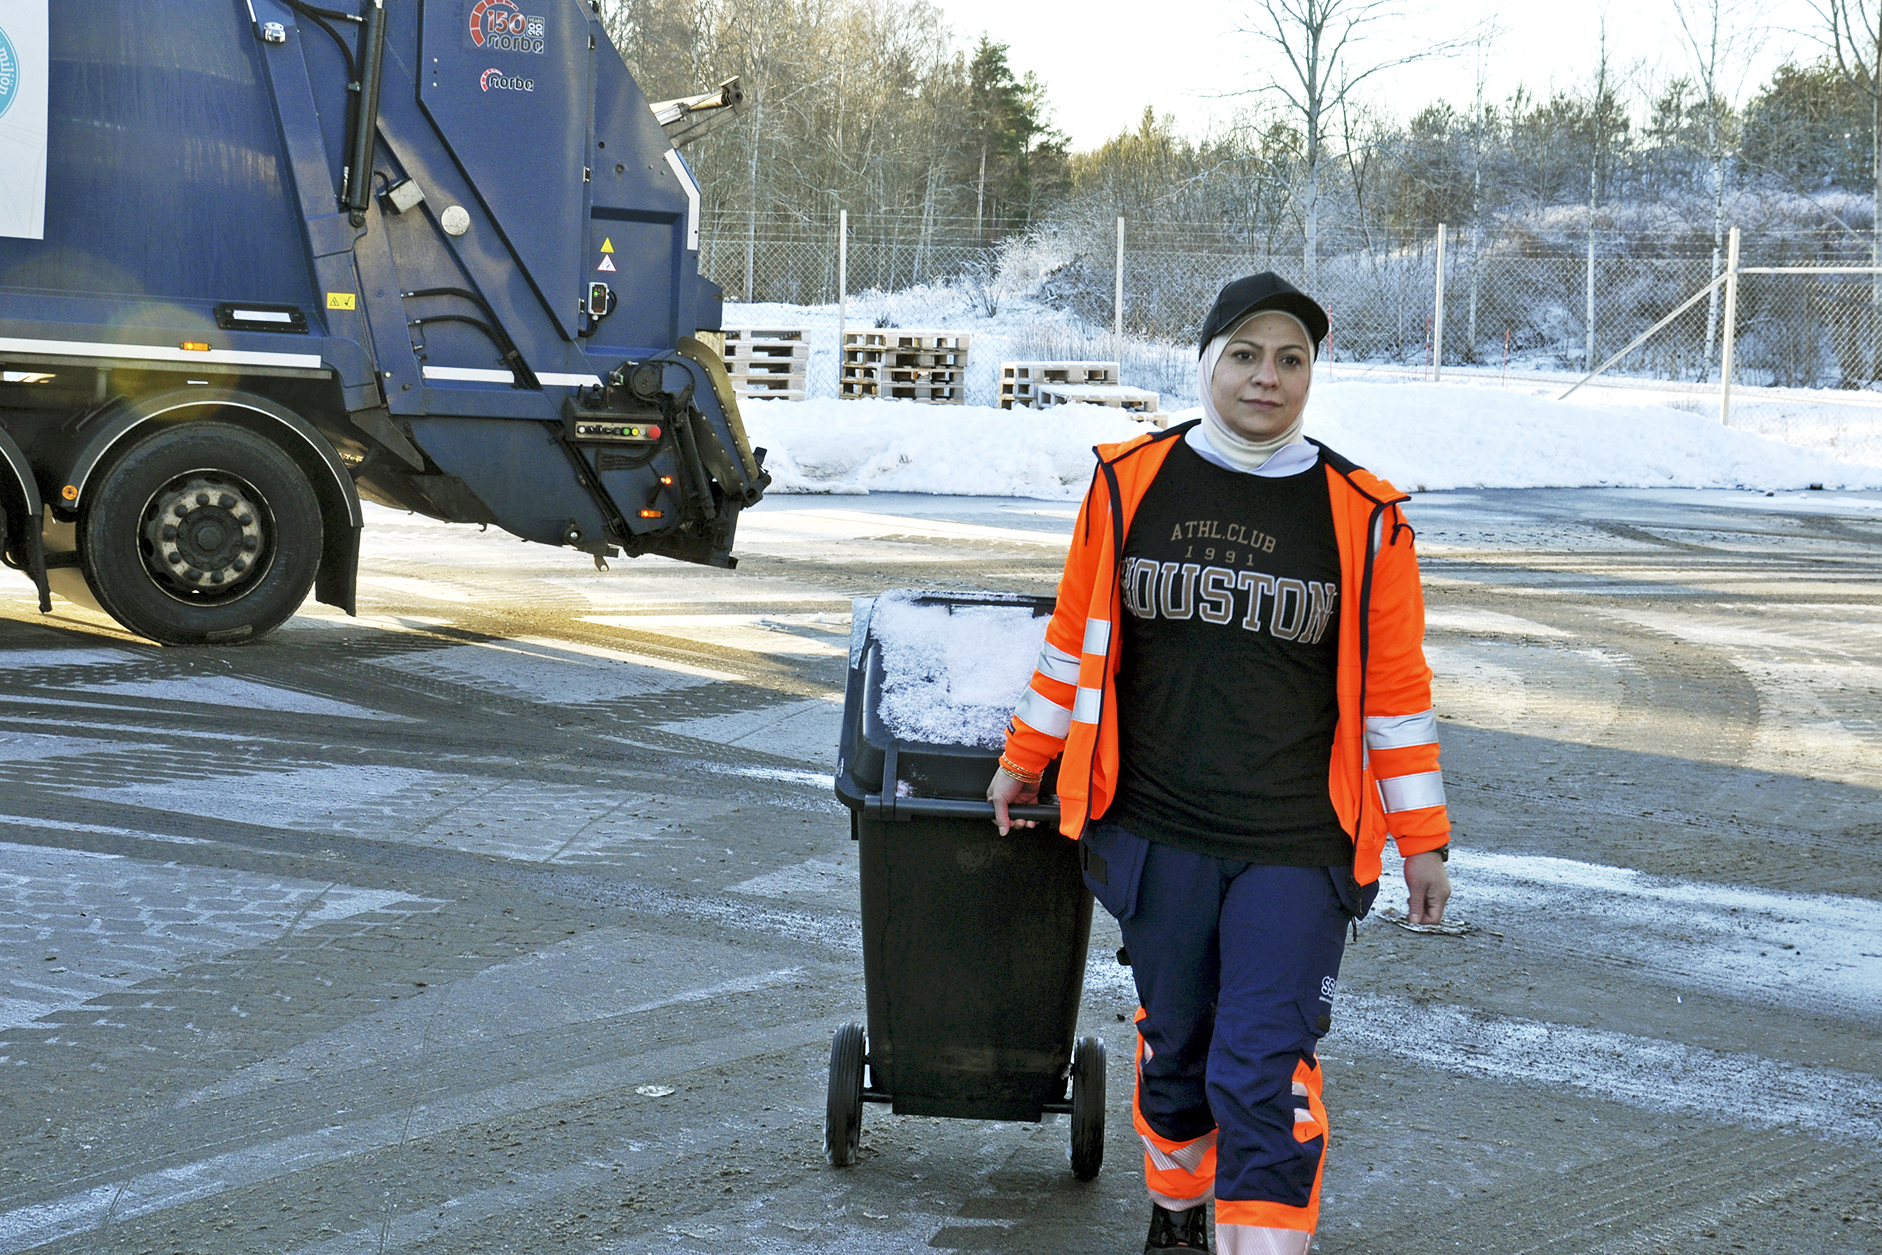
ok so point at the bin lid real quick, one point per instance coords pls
(952, 666)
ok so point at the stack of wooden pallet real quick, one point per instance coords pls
(912, 365)
(767, 363)
(1138, 402)
(1020, 381)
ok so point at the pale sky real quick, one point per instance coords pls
(1104, 60)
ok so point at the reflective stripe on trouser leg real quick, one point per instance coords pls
(1244, 1227)
(1178, 1175)
(1242, 1239)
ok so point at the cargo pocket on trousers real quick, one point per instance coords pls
(1113, 861)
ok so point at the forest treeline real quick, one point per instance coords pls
(876, 107)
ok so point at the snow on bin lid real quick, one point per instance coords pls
(952, 672)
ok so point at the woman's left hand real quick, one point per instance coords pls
(1430, 888)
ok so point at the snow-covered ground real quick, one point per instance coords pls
(1429, 437)
(1474, 430)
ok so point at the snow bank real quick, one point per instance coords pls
(1435, 436)
(1420, 436)
(952, 450)
(952, 674)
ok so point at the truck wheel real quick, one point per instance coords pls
(843, 1105)
(201, 532)
(1088, 1108)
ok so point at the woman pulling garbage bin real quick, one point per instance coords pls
(1235, 676)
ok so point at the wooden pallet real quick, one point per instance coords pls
(897, 340)
(1112, 395)
(766, 370)
(766, 335)
(768, 363)
(1020, 381)
(928, 366)
(767, 351)
(929, 393)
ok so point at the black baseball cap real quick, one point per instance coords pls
(1254, 293)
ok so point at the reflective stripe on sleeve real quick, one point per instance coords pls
(1395, 732)
(1036, 710)
(1414, 792)
(1056, 664)
(1097, 636)
(1087, 704)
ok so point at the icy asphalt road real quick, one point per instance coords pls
(515, 915)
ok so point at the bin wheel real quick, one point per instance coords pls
(1087, 1107)
(843, 1112)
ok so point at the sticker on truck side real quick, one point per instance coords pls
(342, 300)
(499, 26)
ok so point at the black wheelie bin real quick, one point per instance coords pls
(973, 943)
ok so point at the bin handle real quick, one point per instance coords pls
(876, 806)
(887, 805)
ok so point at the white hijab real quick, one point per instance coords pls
(1217, 443)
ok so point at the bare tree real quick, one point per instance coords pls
(1598, 116)
(1715, 38)
(1856, 39)
(1319, 42)
(1479, 124)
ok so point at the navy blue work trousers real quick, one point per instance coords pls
(1236, 967)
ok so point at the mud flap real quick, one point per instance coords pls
(21, 546)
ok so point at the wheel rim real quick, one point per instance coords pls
(207, 536)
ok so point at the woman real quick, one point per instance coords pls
(1235, 676)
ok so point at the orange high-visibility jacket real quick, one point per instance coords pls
(1383, 778)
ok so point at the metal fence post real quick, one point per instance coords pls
(1590, 291)
(1437, 322)
(1730, 328)
(1117, 300)
(842, 290)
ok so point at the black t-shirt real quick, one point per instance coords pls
(1227, 688)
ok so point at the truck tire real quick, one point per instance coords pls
(200, 533)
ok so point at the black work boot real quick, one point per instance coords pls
(1186, 1230)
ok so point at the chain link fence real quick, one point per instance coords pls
(1505, 303)
(1514, 306)
(793, 261)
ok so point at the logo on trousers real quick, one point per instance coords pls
(1328, 985)
(9, 73)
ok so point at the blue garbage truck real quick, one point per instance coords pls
(438, 254)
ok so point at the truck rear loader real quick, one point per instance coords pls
(437, 254)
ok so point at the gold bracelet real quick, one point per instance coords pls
(1023, 776)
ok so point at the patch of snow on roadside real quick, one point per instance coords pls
(953, 673)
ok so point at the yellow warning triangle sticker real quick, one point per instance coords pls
(607, 246)
(607, 264)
